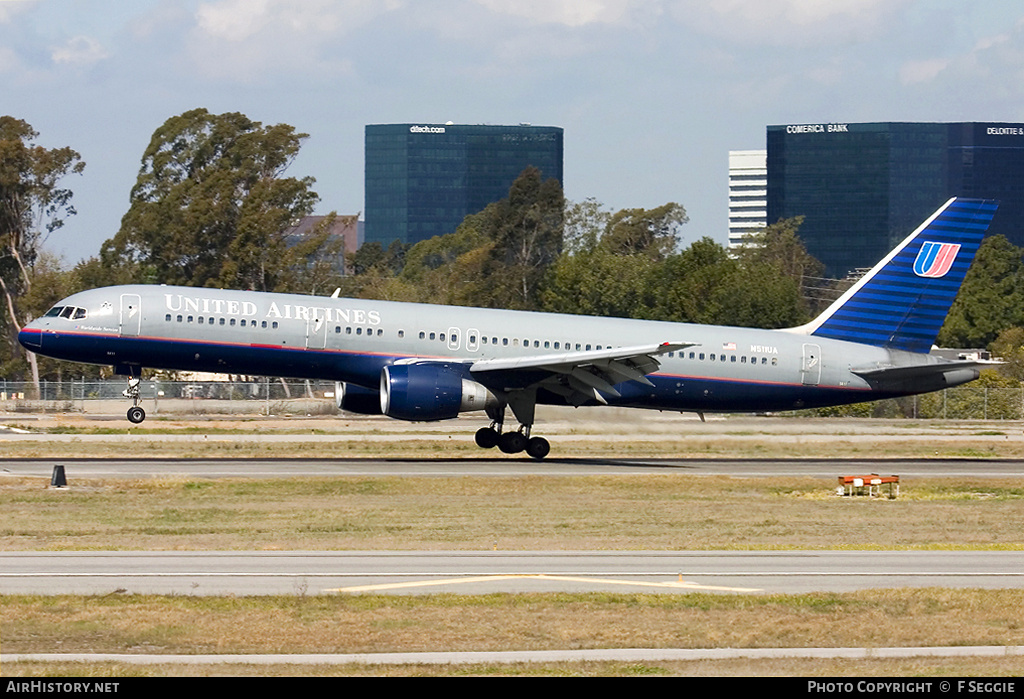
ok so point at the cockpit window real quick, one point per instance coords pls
(70, 312)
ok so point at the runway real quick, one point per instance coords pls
(508, 466)
(481, 572)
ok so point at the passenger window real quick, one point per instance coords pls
(168, 317)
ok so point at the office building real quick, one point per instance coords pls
(864, 187)
(748, 185)
(422, 180)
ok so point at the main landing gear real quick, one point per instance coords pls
(518, 441)
(135, 413)
(512, 442)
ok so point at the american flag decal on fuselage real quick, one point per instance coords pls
(935, 259)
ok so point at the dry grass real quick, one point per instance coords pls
(611, 433)
(370, 624)
(658, 512)
(634, 512)
(914, 667)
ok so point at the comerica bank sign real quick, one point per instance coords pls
(817, 128)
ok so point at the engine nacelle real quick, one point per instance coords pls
(356, 399)
(426, 392)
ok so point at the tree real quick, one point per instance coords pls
(526, 229)
(211, 205)
(496, 258)
(32, 205)
(650, 232)
(991, 298)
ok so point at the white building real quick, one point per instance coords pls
(748, 194)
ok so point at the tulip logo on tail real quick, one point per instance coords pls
(935, 259)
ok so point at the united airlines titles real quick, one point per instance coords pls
(179, 303)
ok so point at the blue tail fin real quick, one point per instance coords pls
(903, 301)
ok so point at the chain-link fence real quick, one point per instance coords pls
(261, 396)
(273, 396)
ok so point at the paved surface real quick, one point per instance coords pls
(504, 466)
(550, 656)
(478, 572)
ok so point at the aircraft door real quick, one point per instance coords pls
(316, 332)
(130, 322)
(810, 368)
(454, 339)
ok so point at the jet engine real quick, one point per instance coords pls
(426, 392)
(356, 399)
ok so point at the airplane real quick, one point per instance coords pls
(421, 362)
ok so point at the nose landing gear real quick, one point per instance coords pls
(135, 413)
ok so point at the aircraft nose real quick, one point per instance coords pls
(31, 336)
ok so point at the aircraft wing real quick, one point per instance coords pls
(579, 376)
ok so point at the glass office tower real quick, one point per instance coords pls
(862, 188)
(423, 180)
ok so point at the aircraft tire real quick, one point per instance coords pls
(487, 438)
(136, 414)
(538, 447)
(512, 442)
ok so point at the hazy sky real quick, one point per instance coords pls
(652, 94)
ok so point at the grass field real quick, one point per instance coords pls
(657, 512)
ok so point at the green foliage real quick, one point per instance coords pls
(211, 207)
(991, 299)
(32, 205)
(630, 268)
(497, 258)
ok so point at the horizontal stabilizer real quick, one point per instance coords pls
(950, 373)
